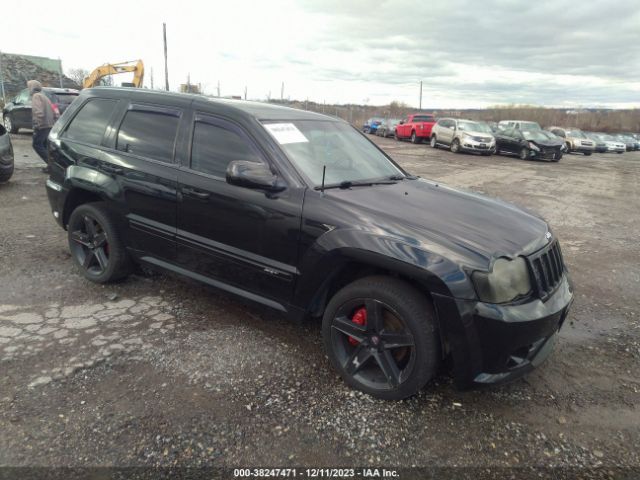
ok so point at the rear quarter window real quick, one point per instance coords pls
(90, 123)
(150, 134)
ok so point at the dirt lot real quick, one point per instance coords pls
(160, 371)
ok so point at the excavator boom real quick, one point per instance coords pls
(136, 66)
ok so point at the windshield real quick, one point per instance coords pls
(529, 126)
(473, 126)
(534, 135)
(576, 134)
(348, 155)
(550, 135)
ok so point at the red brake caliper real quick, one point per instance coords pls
(360, 318)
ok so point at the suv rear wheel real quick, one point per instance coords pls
(414, 138)
(380, 334)
(8, 124)
(95, 244)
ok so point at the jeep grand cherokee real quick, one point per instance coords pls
(300, 212)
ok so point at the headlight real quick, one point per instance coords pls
(508, 280)
(533, 146)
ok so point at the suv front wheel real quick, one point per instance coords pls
(380, 335)
(95, 244)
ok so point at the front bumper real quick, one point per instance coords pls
(546, 154)
(583, 149)
(494, 344)
(469, 145)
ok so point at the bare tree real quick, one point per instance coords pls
(77, 75)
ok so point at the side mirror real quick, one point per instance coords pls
(244, 173)
(401, 122)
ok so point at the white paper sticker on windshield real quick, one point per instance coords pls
(285, 133)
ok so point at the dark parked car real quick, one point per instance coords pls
(17, 113)
(371, 125)
(387, 128)
(302, 213)
(529, 144)
(600, 144)
(6, 156)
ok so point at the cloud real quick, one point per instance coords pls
(467, 53)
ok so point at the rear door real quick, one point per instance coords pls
(244, 238)
(142, 158)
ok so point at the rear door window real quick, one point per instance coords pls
(149, 132)
(89, 125)
(64, 98)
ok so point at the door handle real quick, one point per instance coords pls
(195, 193)
(111, 169)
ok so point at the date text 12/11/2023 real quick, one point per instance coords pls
(315, 473)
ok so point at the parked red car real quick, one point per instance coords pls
(416, 126)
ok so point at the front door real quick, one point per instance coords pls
(242, 237)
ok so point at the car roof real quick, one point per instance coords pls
(61, 90)
(261, 111)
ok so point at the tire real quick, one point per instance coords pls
(568, 145)
(98, 251)
(433, 142)
(406, 314)
(7, 174)
(398, 139)
(9, 125)
(587, 154)
(455, 146)
(524, 154)
(414, 138)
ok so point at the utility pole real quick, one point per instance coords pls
(166, 68)
(151, 78)
(282, 92)
(4, 100)
(60, 71)
(420, 94)
(218, 88)
(245, 92)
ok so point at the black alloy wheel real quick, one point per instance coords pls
(95, 244)
(524, 154)
(90, 246)
(383, 342)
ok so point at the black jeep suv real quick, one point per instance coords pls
(302, 213)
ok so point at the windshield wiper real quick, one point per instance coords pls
(355, 183)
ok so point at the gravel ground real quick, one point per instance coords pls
(159, 371)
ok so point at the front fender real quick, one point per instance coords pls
(331, 252)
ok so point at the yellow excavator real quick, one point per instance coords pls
(135, 66)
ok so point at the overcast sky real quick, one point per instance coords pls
(467, 53)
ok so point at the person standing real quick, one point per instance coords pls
(43, 117)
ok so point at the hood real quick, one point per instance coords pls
(439, 218)
(34, 86)
(478, 134)
(547, 143)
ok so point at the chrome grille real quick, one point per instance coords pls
(547, 268)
